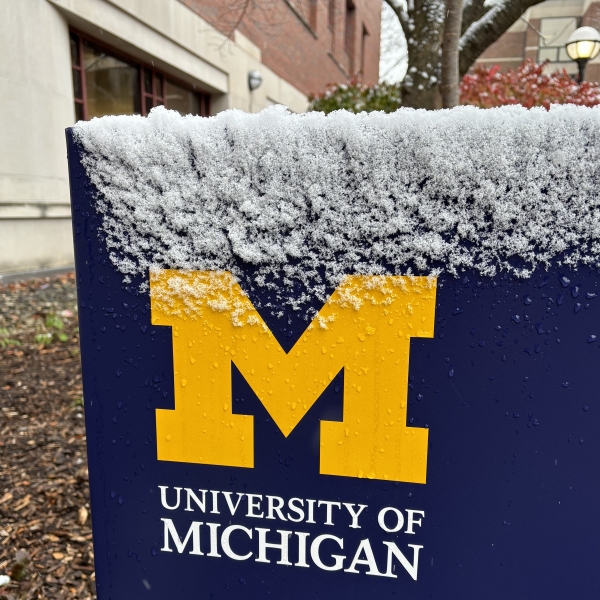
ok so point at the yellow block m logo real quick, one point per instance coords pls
(364, 328)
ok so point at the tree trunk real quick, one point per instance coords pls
(450, 39)
(480, 24)
(420, 88)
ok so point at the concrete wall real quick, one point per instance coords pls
(36, 95)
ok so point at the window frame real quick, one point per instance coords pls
(143, 68)
(553, 47)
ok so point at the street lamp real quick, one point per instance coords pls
(583, 45)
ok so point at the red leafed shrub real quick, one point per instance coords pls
(528, 85)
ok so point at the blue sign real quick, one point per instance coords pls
(431, 438)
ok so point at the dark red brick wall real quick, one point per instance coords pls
(509, 45)
(296, 40)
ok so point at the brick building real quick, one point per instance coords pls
(309, 42)
(542, 35)
(65, 60)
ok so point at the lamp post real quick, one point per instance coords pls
(254, 79)
(583, 45)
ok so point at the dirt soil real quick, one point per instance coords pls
(45, 532)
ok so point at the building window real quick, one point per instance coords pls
(349, 33)
(555, 32)
(331, 14)
(363, 50)
(152, 89)
(107, 83)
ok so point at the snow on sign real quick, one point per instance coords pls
(343, 356)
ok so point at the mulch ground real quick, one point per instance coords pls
(45, 534)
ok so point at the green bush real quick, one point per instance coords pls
(357, 97)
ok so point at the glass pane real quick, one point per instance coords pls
(78, 111)
(547, 54)
(77, 89)
(75, 50)
(184, 101)
(159, 86)
(147, 81)
(111, 84)
(204, 105)
(149, 104)
(556, 31)
(562, 55)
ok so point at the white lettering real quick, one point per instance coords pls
(354, 514)
(301, 549)
(314, 553)
(227, 546)
(311, 511)
(252, 504)
(329, 506)
(191, 496)
(399, 517)
(214, 540)
(411, 519)
(215, 507)
(275, 509)
(369, 560)
(284, 546)
(193, 532)
(232, 507)
(163, 497)
(394, 551)
(296, 509)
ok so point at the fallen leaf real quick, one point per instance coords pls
(82, 515)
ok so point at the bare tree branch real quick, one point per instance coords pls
(401, 14)
(450, 39)
(473, 10)
(483, 33)
(238, 21)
